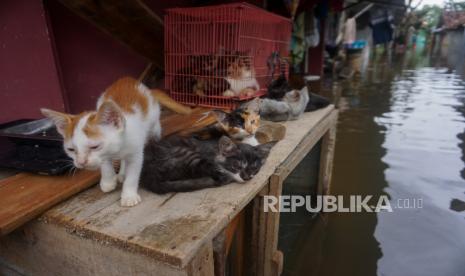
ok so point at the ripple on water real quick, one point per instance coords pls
(424, 160)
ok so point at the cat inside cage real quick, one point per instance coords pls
(227, 73)
(218, 56)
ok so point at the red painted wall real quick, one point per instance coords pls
(50, 57)
(28, 75)
(89, 59)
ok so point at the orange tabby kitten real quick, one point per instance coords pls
(127, 115)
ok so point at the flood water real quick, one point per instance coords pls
(401, 133)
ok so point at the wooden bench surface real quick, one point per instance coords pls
(171, 228)
(24, 196)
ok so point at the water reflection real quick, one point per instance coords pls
(424, 161)
(401, 132)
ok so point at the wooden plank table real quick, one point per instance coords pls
(24, 196)
(172, 234)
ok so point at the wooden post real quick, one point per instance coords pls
(265, 229)
(326, 160)
(238, 260)
(202, 264)
(267, 259)
(232, 235)
(272, 265)
(220, 253)
(257, 227)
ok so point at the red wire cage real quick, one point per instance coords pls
(218, 56)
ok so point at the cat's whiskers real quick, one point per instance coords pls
(68, 165)
(74, 171)
(204, 115)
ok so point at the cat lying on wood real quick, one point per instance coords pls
(127, 115)
(240, 124)
(178, 164)
(290, 107)
(282, 103)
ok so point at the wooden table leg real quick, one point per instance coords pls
(267, 260)
(220, 253)
(326, 160)
(202, 264)
(272, 263)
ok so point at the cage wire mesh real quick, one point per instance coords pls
(218, 56)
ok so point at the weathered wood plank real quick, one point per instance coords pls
(326, 160)
(232, 235)
(44, 249)
(25, 196)
(84, 204)
(239, 245)
(202, 264)
(277, 264)
(255, 221)
(272, 227)
(220, 251)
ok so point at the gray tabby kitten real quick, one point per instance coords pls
(290, 107)
(178, 164)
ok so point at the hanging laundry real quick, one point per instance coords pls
(312, 34)
(292, 6)
(382, 32)
(334, 30)
(350, 31)
(298, 45)
(382, 28)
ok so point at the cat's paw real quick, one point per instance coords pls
(130, 200)
(229, 93)
(247, 92)
(120, 178)
(108, 185)
(199, 92)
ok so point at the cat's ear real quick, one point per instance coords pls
(293, 95)
(264, 149)
(220, 116)
(253, 106)
(297, 95)
(110, 114)
(61, 120)
(226, 146)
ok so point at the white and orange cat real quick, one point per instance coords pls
(241, 79)
(127, 115)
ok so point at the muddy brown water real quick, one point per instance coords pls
(401, 133)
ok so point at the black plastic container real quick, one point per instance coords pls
(33, 146)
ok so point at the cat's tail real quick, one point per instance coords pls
(168, 102)
(187, 185)
(316, 102)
